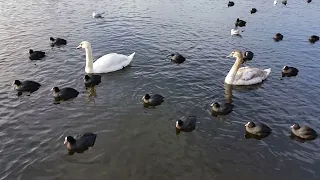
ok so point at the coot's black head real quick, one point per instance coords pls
(69, 139)
(86, 77)
(16, 82)
(147, 96)
(179, 123)
(55, 89)
(238, 19)
(250, 125)
(30, 51)
(295, 126)
(216, 104)
(51, 39)
(285, 68)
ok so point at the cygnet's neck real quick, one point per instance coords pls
(89, 60)
(233, 71)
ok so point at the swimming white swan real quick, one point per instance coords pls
(235, 32)
(107, 63)
(244, 75)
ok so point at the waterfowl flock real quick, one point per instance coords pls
(238, 76)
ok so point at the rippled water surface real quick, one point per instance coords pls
(138, 143)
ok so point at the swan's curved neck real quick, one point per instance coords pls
(233, 71)
(89, 60)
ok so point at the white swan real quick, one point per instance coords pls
(107, 63)
(275, 2)
(97, 15)
(235, 32)
(244, 75)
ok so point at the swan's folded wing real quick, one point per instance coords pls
(248, 76)
(110, 62)
(246, 73)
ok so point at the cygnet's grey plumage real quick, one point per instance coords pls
(26, 86)
(153, 100)
(36, 55)
(57, 41)
(258, 129)
(187, 124)
(81, 142)
(313, 38)
(92, 80)
(223, 109)
(177, 58)
(64, 94)
(303, 132)
(278, 37)
(289, 71)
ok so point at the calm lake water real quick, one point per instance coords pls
(138, 143)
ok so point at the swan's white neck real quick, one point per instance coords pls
(89, 60)
(233, 71)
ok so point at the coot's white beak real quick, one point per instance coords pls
(247, 124)
(291, 126)
(51, 89)
(65, 140)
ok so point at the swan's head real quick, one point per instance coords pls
(250, 125)
(179, 124)
(84, 44)
(236, 54)
(295, 126)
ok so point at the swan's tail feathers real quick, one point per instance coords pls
(268, 71)
(131, 56)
